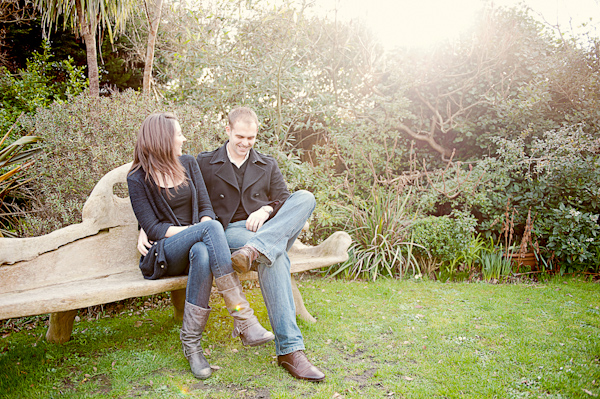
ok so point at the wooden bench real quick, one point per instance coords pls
(96, 262)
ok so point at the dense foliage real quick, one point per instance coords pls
(84, 139)
(435, 157)
(43, 81)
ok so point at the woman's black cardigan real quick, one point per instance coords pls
(155, 215)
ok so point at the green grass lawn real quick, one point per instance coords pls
(388, 339)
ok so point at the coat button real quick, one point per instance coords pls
(162, 266)
(256, 194)
(222, 196)
(156, 254)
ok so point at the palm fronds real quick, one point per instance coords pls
(15, 158)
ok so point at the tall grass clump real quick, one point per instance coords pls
(379, 226)
(494, 265)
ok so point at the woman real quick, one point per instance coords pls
(171, 204)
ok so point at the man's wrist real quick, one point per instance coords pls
(267, 208)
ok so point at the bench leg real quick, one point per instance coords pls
(178, 301)
(300, 308)
(61, 326)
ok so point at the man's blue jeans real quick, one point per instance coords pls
(200, 251)
(273, 240)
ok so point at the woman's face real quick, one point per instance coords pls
(179, 140)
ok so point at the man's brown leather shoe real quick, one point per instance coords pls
(244, 259)
(297, 364)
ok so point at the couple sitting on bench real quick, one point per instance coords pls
(192, 212)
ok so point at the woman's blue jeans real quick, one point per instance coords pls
(201, 252)
(273, 240)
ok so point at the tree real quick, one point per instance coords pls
(483, 84)
(153, 21)
(86, 18)
(12, 11)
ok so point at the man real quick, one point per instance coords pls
(261, 220)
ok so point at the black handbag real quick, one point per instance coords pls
(154, 264)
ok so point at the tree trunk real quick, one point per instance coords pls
(89, 37)
(92, 63)
(150, 48)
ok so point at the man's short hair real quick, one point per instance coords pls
(242, 114)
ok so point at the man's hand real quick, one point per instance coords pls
(257, 218)
(143, 243)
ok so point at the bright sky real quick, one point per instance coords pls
(423, 22)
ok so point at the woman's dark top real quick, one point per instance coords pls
(151, 208)
(180, 201)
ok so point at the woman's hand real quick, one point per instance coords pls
(143, 243)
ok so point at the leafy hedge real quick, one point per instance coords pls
(86, 138)
(444, 237)
(555, 177)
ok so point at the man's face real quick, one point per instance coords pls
(241, 138)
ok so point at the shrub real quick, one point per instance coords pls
(42, 82)
(572, 235)
(327, 187)
(86, 138)
(556, 177)
(444, 237)
(457, 186)
(380, 232)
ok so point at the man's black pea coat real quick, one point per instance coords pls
(263, 183)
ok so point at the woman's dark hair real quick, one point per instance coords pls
(154, 149)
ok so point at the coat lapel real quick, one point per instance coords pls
(254, 171)
(224, 171)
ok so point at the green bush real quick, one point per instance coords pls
(42, 82)
(86, 138)
(572, 235)
(445, 238)
(556, 177)
(458, 186)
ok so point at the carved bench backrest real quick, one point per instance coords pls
(102, 210)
